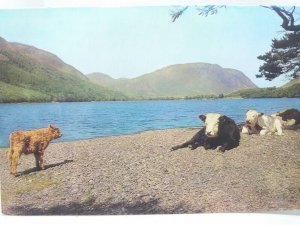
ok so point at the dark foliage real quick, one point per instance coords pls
(283, 58)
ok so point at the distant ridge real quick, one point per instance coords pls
(289, 90)
(178, 81)
(29, 74)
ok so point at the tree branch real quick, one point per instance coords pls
(175, 14)
(209, 9)
(287, 18)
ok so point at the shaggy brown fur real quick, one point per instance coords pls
(27, 142)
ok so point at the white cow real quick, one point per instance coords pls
(269, 124)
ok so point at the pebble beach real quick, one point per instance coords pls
(139, 174)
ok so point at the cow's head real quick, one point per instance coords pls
(252, 117)
(212, 121)
(54, 131)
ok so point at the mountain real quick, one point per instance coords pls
(101, 79)
(29, 74)
(288, 90)
(191, 79)
(292, 82)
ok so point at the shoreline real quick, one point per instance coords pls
(115, 135)
(139, 174)
(141, 100)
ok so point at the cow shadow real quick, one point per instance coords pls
(35, 169)
(136, 207)
(293, 127)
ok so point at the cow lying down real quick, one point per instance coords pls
(257, 122)
(219, 130)
(288, 117)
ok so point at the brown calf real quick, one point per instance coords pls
(27, 142)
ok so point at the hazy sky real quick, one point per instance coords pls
(128, 42)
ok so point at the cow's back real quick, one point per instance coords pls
(16, 137)
(27, 139)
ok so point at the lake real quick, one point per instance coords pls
(84, 120)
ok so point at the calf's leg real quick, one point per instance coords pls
(278, 127)
(15, 160)
(39, 160)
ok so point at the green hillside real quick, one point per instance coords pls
(292, 82)
(289, 90)
(178, 81)
(28, 74)
(10, 93)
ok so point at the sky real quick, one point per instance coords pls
(132, 41)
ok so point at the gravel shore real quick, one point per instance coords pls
(138, 174)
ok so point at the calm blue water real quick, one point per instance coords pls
(94, 119)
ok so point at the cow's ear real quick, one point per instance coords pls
(222, 119)
(202, 117)
(261, 114)
(50, 126)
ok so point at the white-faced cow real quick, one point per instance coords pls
(219, 130)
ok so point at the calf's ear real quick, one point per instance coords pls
(202, 117)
